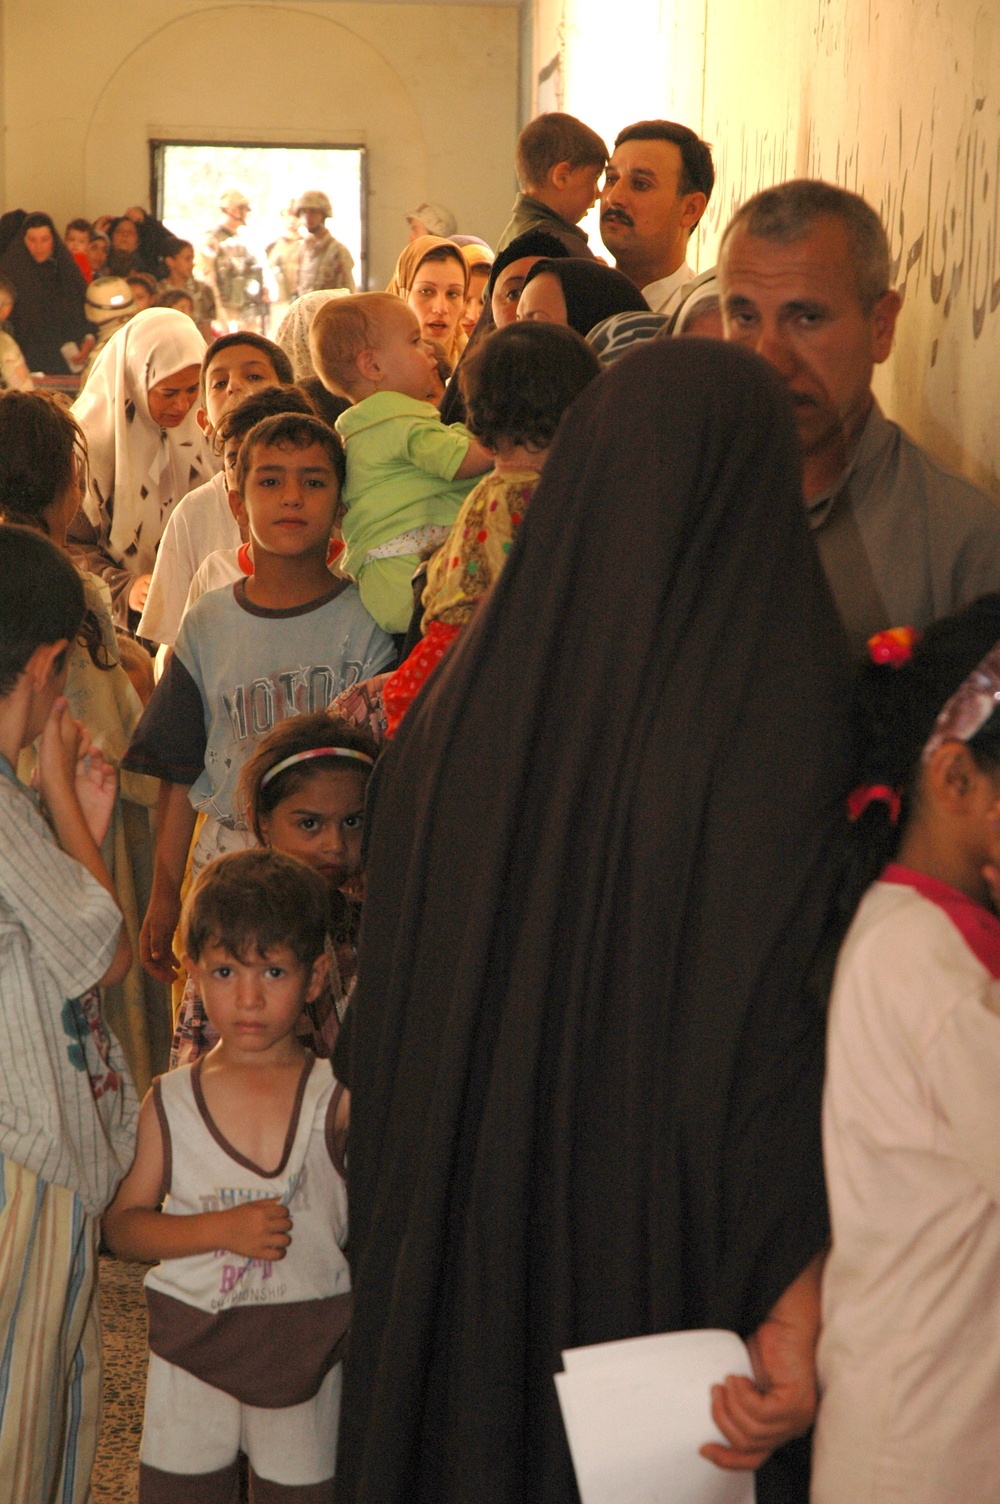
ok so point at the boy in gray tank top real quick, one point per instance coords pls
(237, 1188)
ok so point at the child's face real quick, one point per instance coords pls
(255, 1004)
(76, 241)
(437, 297)
(142, 295)
(580, 192)
(232, 374)
(97, 254)
(321, 822)
(182, 264)
(171, 399)
(290, 500)
(478, 278)
(405, 364)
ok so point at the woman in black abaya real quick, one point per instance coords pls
(587, 1044)
(48, 310)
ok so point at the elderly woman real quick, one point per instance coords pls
(587, 1046)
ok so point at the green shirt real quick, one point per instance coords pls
(401, 463)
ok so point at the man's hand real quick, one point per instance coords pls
(257, 1229)
(757, 1417)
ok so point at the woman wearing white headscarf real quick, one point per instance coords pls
(144, 446)
(293, 331)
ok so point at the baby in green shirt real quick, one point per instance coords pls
(407, 472)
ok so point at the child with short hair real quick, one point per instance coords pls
(280, 642)
(67, 1106)
(233, 367)
(250, 1302)
(303, 793)
(517, 384)
(407, 473)
(559, 161)
(908, 1359)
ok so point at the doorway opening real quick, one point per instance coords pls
(189, 177)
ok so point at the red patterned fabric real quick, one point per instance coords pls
(402, 687)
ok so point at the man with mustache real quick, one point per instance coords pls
(656, 188)
(804, 272)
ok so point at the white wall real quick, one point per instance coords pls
(430, 90)
(898, 100)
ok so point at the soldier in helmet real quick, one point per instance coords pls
(230, 267)
(323, 261)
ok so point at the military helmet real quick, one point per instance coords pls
(233, 198)
(108, 298)
(314, 199)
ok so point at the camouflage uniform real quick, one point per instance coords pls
(324, 263)
(233, 273)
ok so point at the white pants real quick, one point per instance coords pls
(192, 1427)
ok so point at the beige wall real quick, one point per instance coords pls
(430, 90)
(899, 101)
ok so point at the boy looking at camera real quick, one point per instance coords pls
(282, 641)
(244, 1149)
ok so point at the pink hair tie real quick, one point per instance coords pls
(869, 793)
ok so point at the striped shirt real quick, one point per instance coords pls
(67, 1104)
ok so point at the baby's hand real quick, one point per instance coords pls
(257, 1229)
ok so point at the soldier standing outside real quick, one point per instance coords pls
(323, 261)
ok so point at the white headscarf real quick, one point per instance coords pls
(293, 331)
(139, 471)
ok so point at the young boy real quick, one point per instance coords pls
(249, 1306)
(67, 1106)
(14, 373)
(559, 161)
(407, 473)
(284, 640)
(233, 367)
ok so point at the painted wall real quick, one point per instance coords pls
(430, 90)
(899, 101)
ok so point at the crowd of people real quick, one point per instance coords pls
(522, 748)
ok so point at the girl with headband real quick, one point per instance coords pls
(909, 1361)
(303, 793)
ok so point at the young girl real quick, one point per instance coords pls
(42, 471)
(909, 1356)
(517, 387)
(303, 793)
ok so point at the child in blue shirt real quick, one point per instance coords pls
(283, 641)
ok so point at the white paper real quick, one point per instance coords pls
(637, 1411)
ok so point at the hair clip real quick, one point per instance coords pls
(871, 793)
(894, 646)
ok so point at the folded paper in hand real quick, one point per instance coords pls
(637, 1411)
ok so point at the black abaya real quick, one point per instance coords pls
(587, 1043)
(49, 302)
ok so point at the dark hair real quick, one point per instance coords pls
(174, 246)
(121, 219)
(250, 902)
(257, 406)
(41, 599)
(697, 171)
(298, 733)
(171, 297)
(80, 224)
(141, 279)
(275, 354)
(553, 138)
(446, 252)
(788, 212)
(327, 404)
(520, 381)
(894, 713)
(8, 290)
(291, 431)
